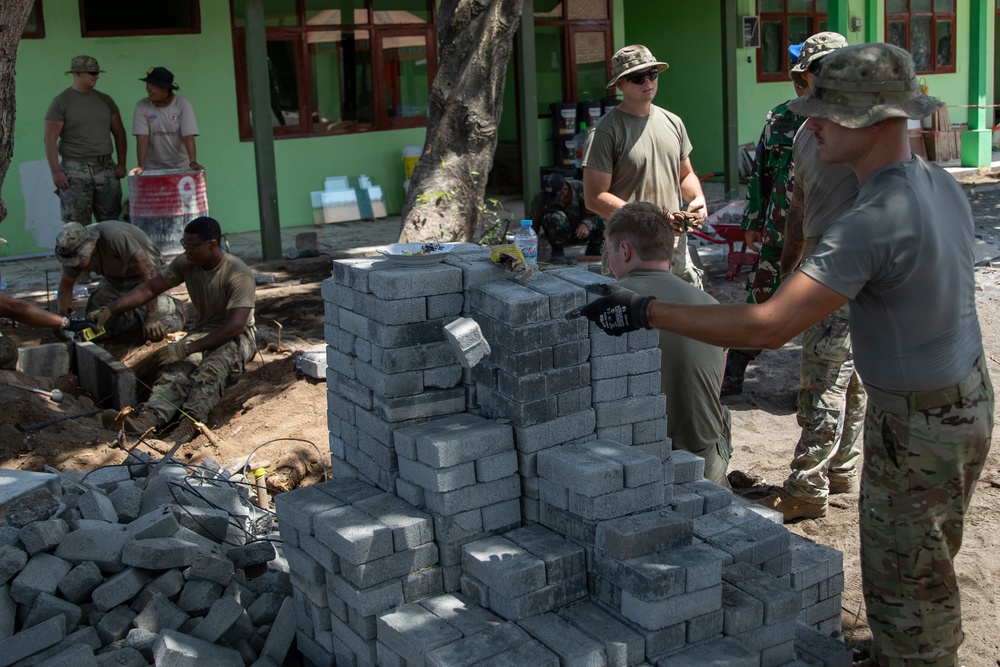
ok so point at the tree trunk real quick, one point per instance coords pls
(447, 187)
(13, 16)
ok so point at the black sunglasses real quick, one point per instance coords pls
(638, 79)
(94, 73)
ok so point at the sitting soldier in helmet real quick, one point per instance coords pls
(558, 212)
(124, 256)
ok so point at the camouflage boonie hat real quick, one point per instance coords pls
(860, 85)
(84, 64)
(630, 59)
(812, 50)
(75, 243)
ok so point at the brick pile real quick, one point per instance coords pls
(617, 551)
(111, 570)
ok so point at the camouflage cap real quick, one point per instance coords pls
(629, 59)
(860, 85)
(84, 64)
(75, 243)
(812, 50)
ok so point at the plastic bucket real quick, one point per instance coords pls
(411, 155)
(563, 118)
(589, 112)
(564, 153)
(161, 203)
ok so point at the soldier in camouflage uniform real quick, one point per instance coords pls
(79, 125)
(559, 213)
(910, 285)
(764, 212)
(196, 369)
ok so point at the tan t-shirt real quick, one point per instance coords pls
(86, 119)
(117, 242)
(213, 292)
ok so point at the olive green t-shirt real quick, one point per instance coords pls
(213, 292)
(117, 242)
(86, 119)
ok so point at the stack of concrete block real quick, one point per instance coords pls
(593, 481)
(742, 531)
(526, 572)
(463, 470)
(389, 363)
(817, 574)
(354, 552)
(126, 567)
(760, 612)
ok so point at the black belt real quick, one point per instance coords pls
(927, 400)
(96, 159)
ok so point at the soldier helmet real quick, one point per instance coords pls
(812, 50)
(75, 243)
(630, 59)
(84, 64)
(860, 85)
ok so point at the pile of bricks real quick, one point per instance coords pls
(124, 566)
(616, 551)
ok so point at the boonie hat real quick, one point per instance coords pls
(552, 187)
(160, 77)
(75, 243)
(812, 50)
(630, 59)
(84, 64)
(860, 85)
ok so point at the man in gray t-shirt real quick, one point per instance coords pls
(79, 125)
(902, 258)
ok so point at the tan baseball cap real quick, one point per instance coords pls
(813, 49)
(75, 243)
(84, 64)
(860, 85)
(630, 59)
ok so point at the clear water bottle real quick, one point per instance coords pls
(526, 241)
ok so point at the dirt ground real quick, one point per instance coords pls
(280, 414)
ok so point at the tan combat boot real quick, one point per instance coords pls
(792, 508)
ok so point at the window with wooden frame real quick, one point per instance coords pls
(341, 66)
(573, 49)
(783, 23)
(117, 18)
(925, 28)
(34, 27)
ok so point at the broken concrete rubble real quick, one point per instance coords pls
(91, 580)
(547, 519)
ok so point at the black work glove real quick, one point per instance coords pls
(617, 312)
(76, 324)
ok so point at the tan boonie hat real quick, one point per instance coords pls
(813, 49)
(84, 64)
(630, 59)
(75, 243)
(860, 85)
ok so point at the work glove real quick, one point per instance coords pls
(100, 316)
(172, 353)
(75, 324)
(617, 311)
(153, 327)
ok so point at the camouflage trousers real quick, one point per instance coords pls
(831, 408)
(194, 385)
(763, 281)
(924, 452)
(131, 320)
(560, 231)
(94, 192)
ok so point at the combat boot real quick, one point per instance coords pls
(736, 368)
(849, 485)
(792, 508)
(141, 421)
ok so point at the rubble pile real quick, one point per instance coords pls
(142, 563)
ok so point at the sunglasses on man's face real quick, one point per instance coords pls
(639, 79)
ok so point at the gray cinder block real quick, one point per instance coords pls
(79, 583)
(119, 588)
(160, 613)
(102, 545)
(467, 341)
(12, 561)
(501, 564)
(622, 645)
(640, 534)
(179, 650)
(43, 535)
(573, 646)
(41, 574)
(475, 649)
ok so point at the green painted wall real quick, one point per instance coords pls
(204, 67)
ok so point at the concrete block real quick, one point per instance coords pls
(419, 404)
(210, 568)
(354, 535)
(119, 588)
(160, 613)
(412, 631)
(80, 582)
(726, 651)
(123, 657)
(472, 497)
(639, 467)
(617, 413)
(501, 564)
(410, 527)
(115, 624)
(401, 282)
(620, 365)
(688, 467)
(658, 614)
(588, 474)
(140, 640)
(617, 504)
(222, 616)
(622, 645)
(97, 506)
(156, 522)
(197, 597)
(8, 613)
(103, 546)
(173, 649)
(644, 533)
(563, 559)
(108, 381)
(12, 561)
(127, 501)
(43, 535)
(159, 553)
(781, 603)
(367, 602)
(742, 612)
(444, 305)
(41, 574)
(280, 637)
(818, 648)
(572, 645)
(77, 655)
(399, 564)
(48, 606)
(538, 437)
(251, 553)
(450, 441)
(548, 598)
(467, 341)
(45, 360)
(208, 522)
(32, 640)
(503, 515)
(474, 649)
(439, 480)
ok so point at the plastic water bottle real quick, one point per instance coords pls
(526, 241)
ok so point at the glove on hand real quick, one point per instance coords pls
(100, 316)
(153, 327)
(617, 312)
(172, 353)
(76, 324)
